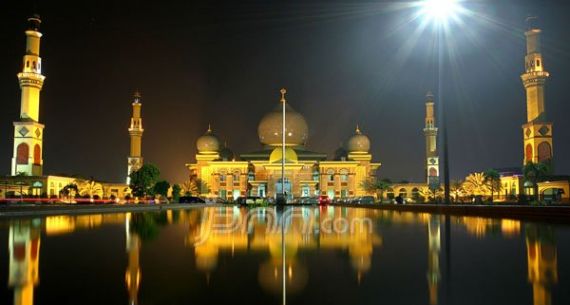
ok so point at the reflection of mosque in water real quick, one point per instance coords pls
(306, 229)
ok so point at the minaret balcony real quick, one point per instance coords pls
(31, 79)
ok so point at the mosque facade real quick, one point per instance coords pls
(228, 175)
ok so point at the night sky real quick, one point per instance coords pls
(343, 63)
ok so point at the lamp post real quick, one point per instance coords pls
(283, 199)
(438, 12)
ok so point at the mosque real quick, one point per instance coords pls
(258, 173)
(222, 173)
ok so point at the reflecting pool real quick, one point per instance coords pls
(305, 255)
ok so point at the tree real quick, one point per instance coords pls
(475, 185)
(90, 188)
(457, 189)
(198, 187)
(376, 186)
(70, 190)
(430, 193)
(161, 188)
(493, 179)
(143, 180)
(176, 189)
(535, 172)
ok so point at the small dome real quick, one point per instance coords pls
(226, 154)
(277, 153)
(208, 143)
(358, 143)
(271, 125)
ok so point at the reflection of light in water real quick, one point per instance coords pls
(542, 262)
(304, 231)
(510, 227)
(24, 245)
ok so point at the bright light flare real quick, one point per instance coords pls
(440, 10)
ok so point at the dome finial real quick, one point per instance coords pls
(283, 91)
(209, 127)
(429, 96)
(357, 129)
(137, 96)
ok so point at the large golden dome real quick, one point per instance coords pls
(208, 143)
(271, 125)
(358, 143)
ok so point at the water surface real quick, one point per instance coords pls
(332, 255)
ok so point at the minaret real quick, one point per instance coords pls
(135, 160)
(537, 131)
(28, 132)
(430, 131)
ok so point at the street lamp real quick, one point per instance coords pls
(439, 12)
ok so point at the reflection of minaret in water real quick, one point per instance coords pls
(434, 243)
(542, 262)
(24, 245)
(133, 274)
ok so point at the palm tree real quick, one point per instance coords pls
(475, 185)
(430, 193)
(457, 189)
(493, 179)
(535, 172)
(376, 186)
(90, 188)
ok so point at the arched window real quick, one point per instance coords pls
(37, 154)
(27, 63)
(544, 152)
(222, 177)
(528, 153)
(23, 152)
(34, 65)
(316, 175)
(390, 193)
(330, 175)
(236, 177)
(415, 193)
(403, 193)
(343, 175)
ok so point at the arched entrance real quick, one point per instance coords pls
(279, 187)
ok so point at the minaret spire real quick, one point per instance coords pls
(430, 132)
(135, 159)
(537, 132)
(28, 132)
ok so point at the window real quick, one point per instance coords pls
(403, 193)
(235, 177)
(538, 62)
(222, 177)
(23, 151)
(34, 65)
(27, 63)
(316, 175)
(330, 175)
(344, 175)
(37, 154)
